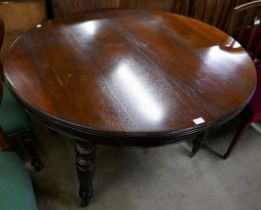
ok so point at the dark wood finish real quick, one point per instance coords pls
(49, 9)
(183, 7)
(214, 12)
(63, 8)
(244, 15)
(85, 165)
(247, 5)
(119, 78)
(197, 144)
(130, 78)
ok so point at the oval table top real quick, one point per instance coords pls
(129, 76)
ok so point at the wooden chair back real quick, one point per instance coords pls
(182, 7)
(213, 12)
(245, 27)
(58, 8)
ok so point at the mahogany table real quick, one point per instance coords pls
(128, 78)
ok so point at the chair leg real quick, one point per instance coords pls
(35, 160)
(236, 137)
(26, 138)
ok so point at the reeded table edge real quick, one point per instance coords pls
(148, 139)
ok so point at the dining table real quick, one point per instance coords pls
(128, 78)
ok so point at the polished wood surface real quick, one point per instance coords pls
(129, 77)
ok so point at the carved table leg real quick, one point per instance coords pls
(85, 164)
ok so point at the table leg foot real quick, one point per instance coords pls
(85, 196)
(226, 156)
(85, 165)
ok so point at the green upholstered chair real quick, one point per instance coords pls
(13, 119)
(15, 185)
(16, 190)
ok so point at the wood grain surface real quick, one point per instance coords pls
(130, 77)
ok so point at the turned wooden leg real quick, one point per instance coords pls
(85, 164)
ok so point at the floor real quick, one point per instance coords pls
(162, 178)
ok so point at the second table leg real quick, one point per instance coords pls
(85, 165)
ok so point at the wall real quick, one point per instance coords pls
(19, 17)
(215, 12)
(70, 6)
